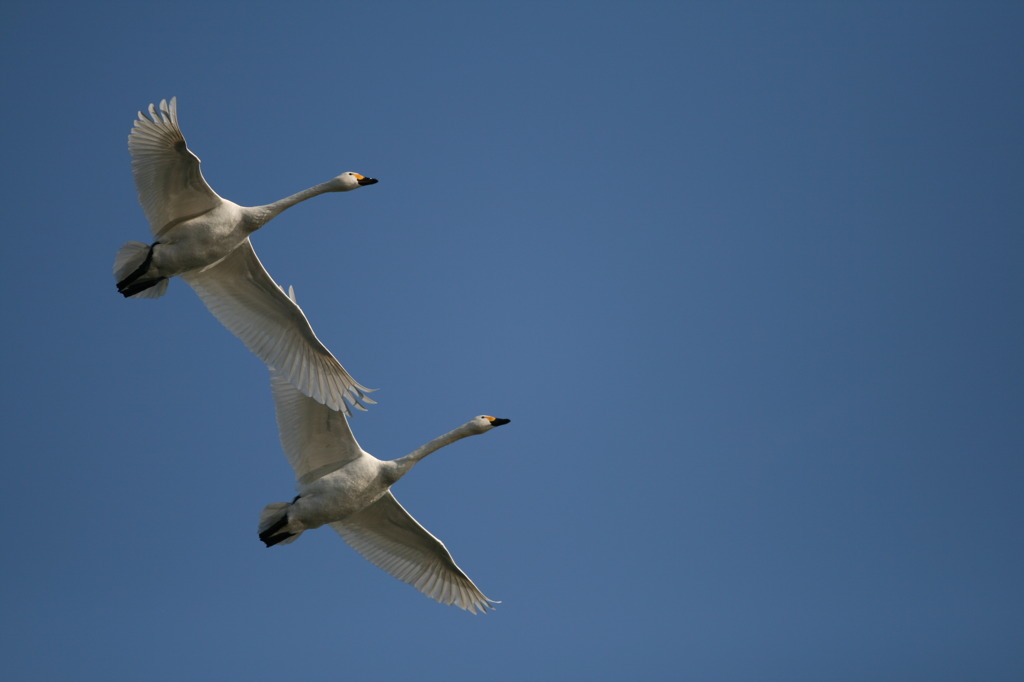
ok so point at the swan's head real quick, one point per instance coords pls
(485, 423)
(349, 181)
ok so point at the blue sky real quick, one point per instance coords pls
(746, 277)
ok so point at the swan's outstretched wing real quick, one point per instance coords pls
(390, 538)
(167, 176)
(316, 439)
(240, 293)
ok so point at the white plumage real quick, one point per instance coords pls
(343, 486)
(204, 239)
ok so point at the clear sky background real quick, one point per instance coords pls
(746, 277)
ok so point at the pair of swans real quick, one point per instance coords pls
(204, 239)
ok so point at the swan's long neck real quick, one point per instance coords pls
(263, 214)
(402, 465)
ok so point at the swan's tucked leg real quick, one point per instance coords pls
(269, 525)
(277, 539)
(128, 285)
(270, 538)
(143, 286)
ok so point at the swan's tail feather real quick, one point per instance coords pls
(128, 258)
(273, 520)
(130, 266)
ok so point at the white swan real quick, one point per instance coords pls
(204, 239)
(343, 486)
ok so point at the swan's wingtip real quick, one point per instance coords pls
(482, 607)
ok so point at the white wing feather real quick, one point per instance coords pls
(316, 439)
(241, 294)
(167, 177)
(391, 539)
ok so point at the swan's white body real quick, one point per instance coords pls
(204, 239)
(345, 487)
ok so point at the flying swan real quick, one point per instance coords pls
(347, 488)
(204, 239)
